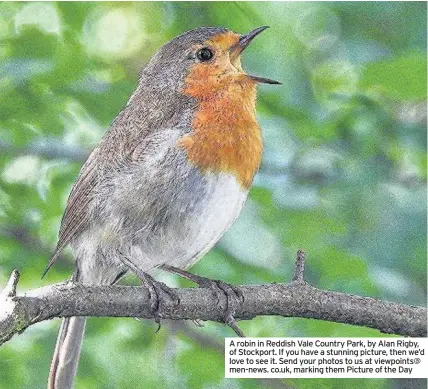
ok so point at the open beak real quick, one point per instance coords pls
(244, 41)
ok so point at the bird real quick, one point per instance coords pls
(168, 178)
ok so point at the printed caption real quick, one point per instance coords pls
(326, 358)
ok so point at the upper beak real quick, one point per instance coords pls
(246, 39)
(243, 42)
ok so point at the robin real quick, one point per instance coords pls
(168, 178)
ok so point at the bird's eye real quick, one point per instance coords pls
(204, 54)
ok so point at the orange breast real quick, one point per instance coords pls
(225, 135)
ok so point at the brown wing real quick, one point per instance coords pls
(76, 215)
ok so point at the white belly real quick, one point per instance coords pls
(184, 243)
(215, 219)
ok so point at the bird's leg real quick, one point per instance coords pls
(155, 289)
(233, 294)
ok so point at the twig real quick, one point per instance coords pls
(299, 268)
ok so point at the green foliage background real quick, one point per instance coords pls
(343, 174)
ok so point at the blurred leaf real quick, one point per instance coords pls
(334, 77)
(402, 78)
(208, 369)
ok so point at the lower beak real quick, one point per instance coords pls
(243, 42)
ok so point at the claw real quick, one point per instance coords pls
(157, 320)
(231, 322)
(229, 291)
(198, 323)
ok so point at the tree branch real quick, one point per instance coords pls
(296, 299)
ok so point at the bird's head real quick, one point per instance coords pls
(204, 61)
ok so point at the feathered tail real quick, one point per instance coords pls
(67, 352)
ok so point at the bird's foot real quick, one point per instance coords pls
(234, 296)
(155, 289)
